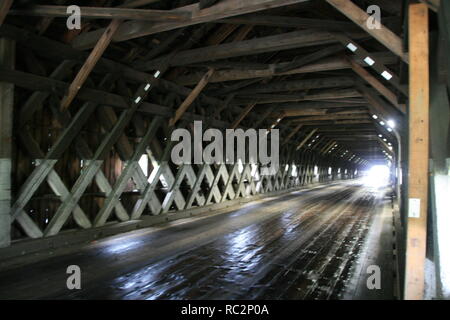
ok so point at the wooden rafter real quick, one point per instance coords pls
(191, 97)
(137, 3)
(290, 22)
(329, 64)
(223, 9)
(301, 61)
(389, 39)
(297, 85)
(292, 133)
(381, 88)
(377, 106)
(33, 82)
(305, 140)
(243, 114)
(278, 98)
(5, 5)
(89, 64)
(349, 116)
(289, 40)
(122, 127)
(373, 62)
(432, 4)
(106, 13)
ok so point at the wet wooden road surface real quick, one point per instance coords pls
(299, 245)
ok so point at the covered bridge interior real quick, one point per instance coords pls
(89, 106)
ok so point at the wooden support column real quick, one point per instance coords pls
(7, 57)
(418, 152)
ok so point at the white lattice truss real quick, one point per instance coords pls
(204, 184)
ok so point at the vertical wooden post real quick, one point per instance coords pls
(418, 151)
(7, 57)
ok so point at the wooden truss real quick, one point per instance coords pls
(112, 99)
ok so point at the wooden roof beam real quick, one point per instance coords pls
(137, 3)
(5, 5)
(191, 97)
(278, 98)
(377, 85)
(370, 60)
(106, 13)
(376, 104)
(432, 4)
(307, 59)
(290, 22)
(328, 64)
(385, 36)
(323, 104)
(57, 50)
(318, 112)
(284, 41)
(224, 9)
(243, 114)
(331, 122)
(295, 85)
(329, 147)
(38, 83)
(334, 117)
(302, 143)
(280, 116)
(292, 133)
(90, 63)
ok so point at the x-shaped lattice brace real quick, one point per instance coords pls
(45, 167)
(45, 164)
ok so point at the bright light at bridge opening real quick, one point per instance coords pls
(391, 123)
(377, 176)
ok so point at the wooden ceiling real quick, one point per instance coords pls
(313, 69)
